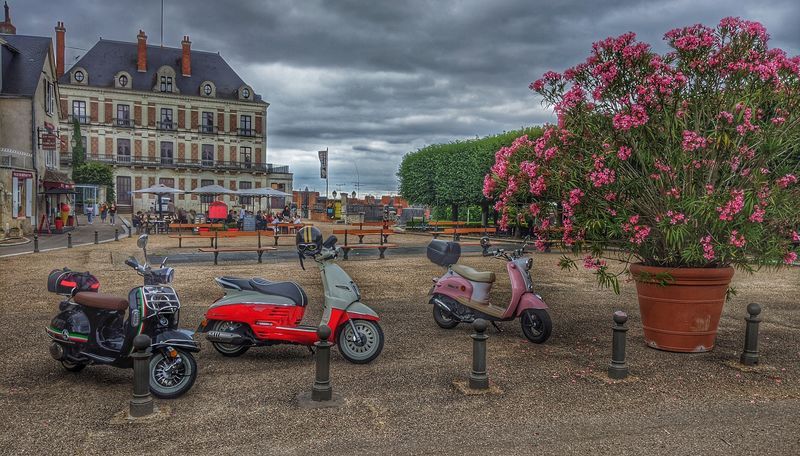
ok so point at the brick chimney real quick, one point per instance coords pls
(60, 45)
(6, 26)
(141, 55)
(186, 60)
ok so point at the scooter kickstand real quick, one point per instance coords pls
(497, 327)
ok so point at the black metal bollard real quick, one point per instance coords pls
(142, 402)
(95, 238)
(116, 234)
(618, 369)
(478, 378)
(750, 353)
(322, 391)
(35, 243)
(69, 240)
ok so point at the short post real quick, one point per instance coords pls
(259, 241)
(116, 234)
(69, 240)
(750, 353)
(478, 379)
(95, 237)
(618, 369)
(35, 243)
(322, 391)
(142, 403)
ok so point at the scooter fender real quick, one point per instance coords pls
(360, 311)
(176, 338)
(530, 301)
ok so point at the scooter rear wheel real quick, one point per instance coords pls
(443, 318)
(72, 367)
(536, 325)
(369, 347)
(229, 350)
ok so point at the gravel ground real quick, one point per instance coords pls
(553, 398)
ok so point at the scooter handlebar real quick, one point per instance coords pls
(132, 263)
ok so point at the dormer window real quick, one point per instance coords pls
(208, 89)
(166, 83)
(123, 81)
(79, 76)
(245, 92)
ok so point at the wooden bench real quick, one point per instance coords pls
(457, 232)
(216, 235)
(361, 233)
(216, 251)
(381, 248)
(191, 226)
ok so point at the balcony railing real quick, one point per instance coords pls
(178, 163)
(81, 119)
(247, 132)
(125, 123)
(12, 158)
(166, 125)
(209, 129)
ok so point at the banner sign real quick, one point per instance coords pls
(323, 164)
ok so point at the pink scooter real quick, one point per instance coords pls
(462, 294)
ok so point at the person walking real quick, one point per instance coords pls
(112, 213)
(90, 213)
(103, 212)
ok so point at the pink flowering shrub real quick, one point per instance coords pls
(686, 159)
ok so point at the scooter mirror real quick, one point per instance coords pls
(142, 241)
(330, 242)
(485, 242)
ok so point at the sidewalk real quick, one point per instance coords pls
(83, 234)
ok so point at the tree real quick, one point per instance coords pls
(78, 153)
(452, 174)
(95, 173)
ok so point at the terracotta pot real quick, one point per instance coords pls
(682, 316)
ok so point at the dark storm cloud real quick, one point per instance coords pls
(374, 80)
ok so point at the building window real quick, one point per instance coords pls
(124, 150)
(245, 185)
(123, 190)
(166, 153)
(207, 125)
(166, 119)
(245, 93)
(51, 158)
(166, 83)
(79, 76)
(206, 199)
(123, 116)
(208, 90)
(208, 155)
(49, 97)
(246, 126)
(123, 81)
(79, 112)
(246, 157)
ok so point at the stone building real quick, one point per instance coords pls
(175, 116)
(29, 117)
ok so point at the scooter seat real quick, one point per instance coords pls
(100, 301)
(289, 290)
(473, 275)
(244, 284)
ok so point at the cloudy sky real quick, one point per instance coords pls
(373, 80)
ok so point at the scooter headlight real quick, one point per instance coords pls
(528, 264)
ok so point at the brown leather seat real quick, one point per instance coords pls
(101, 301)
(473, 275)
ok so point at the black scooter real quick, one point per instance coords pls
(91, 327)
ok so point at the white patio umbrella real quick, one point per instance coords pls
(159, 190)
(213, 190)
(261, 193)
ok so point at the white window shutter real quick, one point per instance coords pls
(15, 197)
(28, 197)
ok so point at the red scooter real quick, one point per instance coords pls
(462, 294)
(259, 312)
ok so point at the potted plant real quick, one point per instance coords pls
(682, 165)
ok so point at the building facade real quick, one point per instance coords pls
(175, 116)
(29, 118)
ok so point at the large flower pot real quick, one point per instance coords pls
(683, 315)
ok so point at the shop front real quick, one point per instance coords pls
(58, 199)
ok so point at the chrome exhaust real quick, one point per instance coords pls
(442, 305)
(222, 337)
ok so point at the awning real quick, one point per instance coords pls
(56, 180)
(59, 191)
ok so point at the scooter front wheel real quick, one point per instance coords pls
(536, 325)
(172, 377)
(363, 348)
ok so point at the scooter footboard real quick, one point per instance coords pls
(530, 301)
